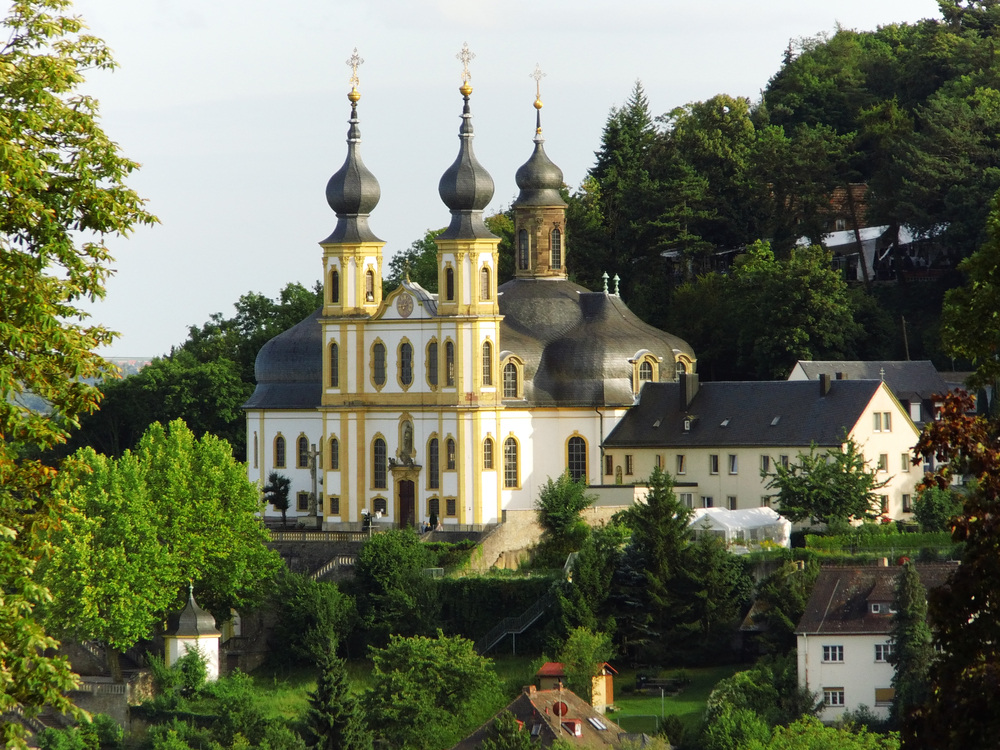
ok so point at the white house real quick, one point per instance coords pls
(843, 641)
(459, 404)
(717, 439)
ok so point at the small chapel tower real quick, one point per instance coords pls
(539, 211)
(352, 254)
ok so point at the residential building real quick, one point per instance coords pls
(720, 440)
(843, 638)
(459, 404)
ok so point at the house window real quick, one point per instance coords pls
(449, 363)
(334, 365)
(707, 501)
(487, 363)
(434, 507)
(883, 651)
(915, 411)
(279, 452)
(432, 363)
(334, 506)
(783, 460)
(303, 453)
(629, 464)
(380, 468)
(488, 453)
(510, 384)
(905, 463)
(731, 502)
(433, 465)
(877, 422)
(484, 283)
(450, 453)
(882, 421)
(883, 462)
(334, 454)
(907, 503)
(681, 464)
(765, 501)
(370, 286)
(658, 461)
(302, 501)
(687, 499)
(406, 363)
(334, 286)
(884, 696)
(765, 464)
(450, 506)
(378, 364)
(576, 458)
(713, 463)
(645, 371)
(449, 283)
(510, 471)
(522, 249)
(609, 465)
(833, 653)
(883, 503)
(733, 464)
(556, 254)
(833, 696)
(380, 506)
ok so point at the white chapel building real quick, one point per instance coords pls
(460, 404)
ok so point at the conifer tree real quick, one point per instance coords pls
(911, 639)
(334, 720)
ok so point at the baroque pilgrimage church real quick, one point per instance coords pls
(460, 404)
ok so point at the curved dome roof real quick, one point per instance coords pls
(289, 368)
(577, 345)
(352, 191)
(539, 180)
(466, 188)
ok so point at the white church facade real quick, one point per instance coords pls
(457, 405)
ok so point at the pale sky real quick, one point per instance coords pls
(237, 111)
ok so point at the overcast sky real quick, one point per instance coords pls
(237, 111)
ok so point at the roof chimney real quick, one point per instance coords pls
(824, 384)
(689, 388)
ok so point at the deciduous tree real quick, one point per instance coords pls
(559, 506)
(582, 656)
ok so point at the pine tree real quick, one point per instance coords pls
(333, 719)
(911, 640)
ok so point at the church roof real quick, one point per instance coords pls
(576, 345)
(289, 368)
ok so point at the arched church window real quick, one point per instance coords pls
(369, 286)
(680, 368)
(645, 371)
(576, 458)
(406, 363)
(334, 454)
(334, 286)
(279, 452)
(450, 454)
(433, 465)
(449, 363)
(303, 452)
(334, 365)
(522, 249)
(555, 260)
(487, 363)
(432, 363)
(380, 468)
(510, 384)
(510, 468)
(378, 364)
(449, 283)
(488, 453)
(484, 283)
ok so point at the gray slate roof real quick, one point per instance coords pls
(289, 368)
(909, 381)
(749, 409)
(840, 600)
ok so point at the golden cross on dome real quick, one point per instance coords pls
(466, 56)
(538, 75)
(354, 62)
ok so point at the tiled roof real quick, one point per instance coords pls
(909, 381)
(745, 413)
(551, 669)
(840, 599)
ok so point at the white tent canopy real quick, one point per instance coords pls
(743, 530)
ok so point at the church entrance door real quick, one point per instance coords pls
(407, 503)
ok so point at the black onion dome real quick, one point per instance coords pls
(539, 179)
(353, 192)
(466, 188)
(195, 621)
(289, 368)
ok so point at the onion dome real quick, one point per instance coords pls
(353, 192)
(194, 621)
(466, 187)
(538, 178)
